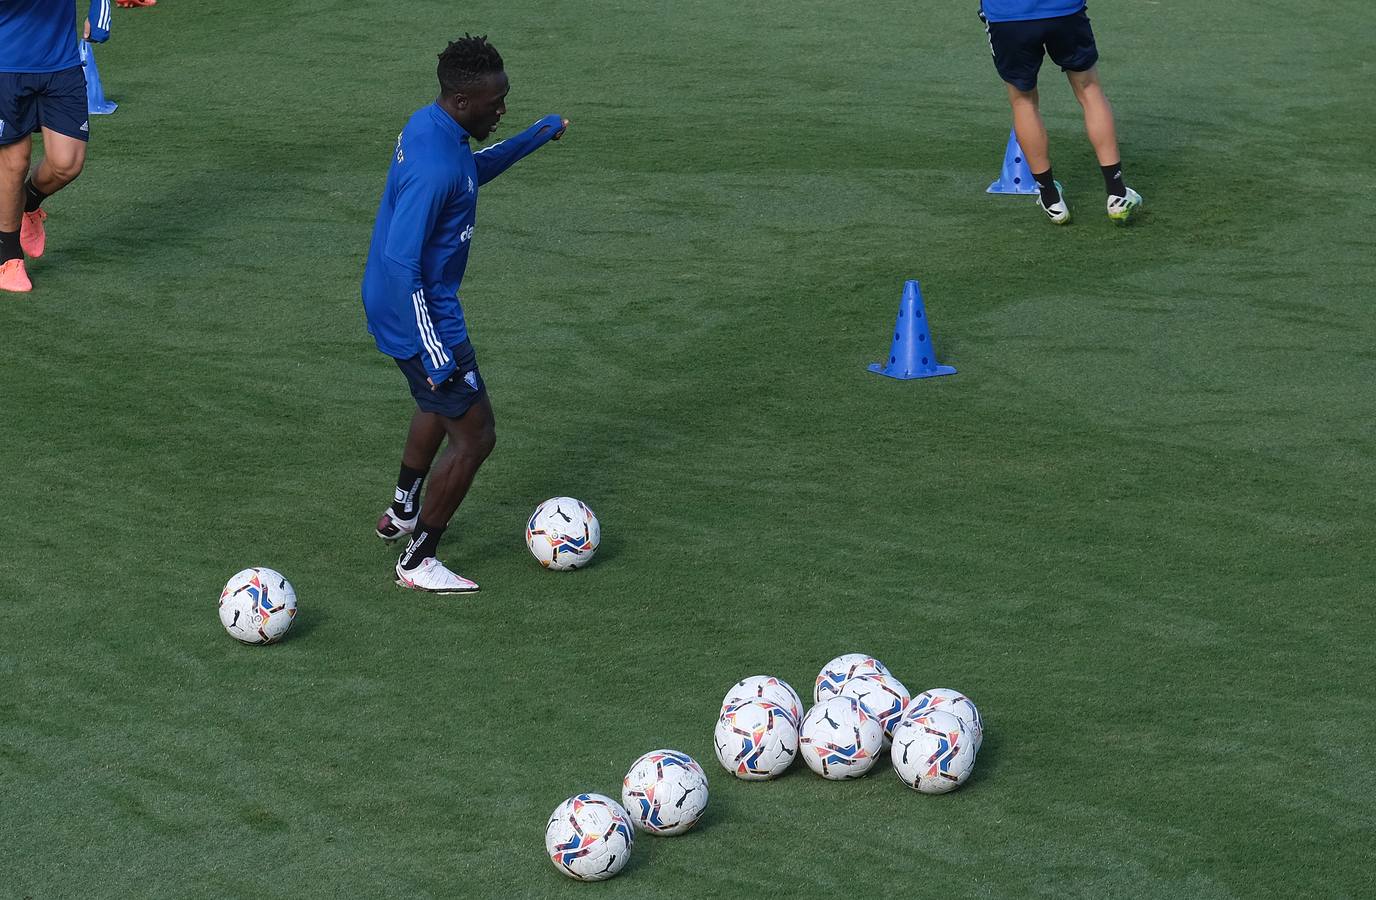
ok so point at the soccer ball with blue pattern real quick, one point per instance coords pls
(589, 837)
(883, 695)
(257, 606)
(755, 740)
(563, 534)
(843, 668)
(933, 752)
(665, 792)
(950, 701)
(765, 687)
(840, 738)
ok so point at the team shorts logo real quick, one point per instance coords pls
(465, 234)
(471, 378)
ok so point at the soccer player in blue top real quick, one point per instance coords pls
(42, 86)
(411, 295)
(1020, 32)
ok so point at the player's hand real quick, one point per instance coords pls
(562, 128)
(86, 31)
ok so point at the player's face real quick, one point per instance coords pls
(485, 104)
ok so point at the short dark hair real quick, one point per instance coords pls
(467, 61)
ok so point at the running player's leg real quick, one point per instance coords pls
(462, 407)
(1123, 201)
(471, 439)
(423, 441)
(1070, 44)
(1018, 49)
(66, 126)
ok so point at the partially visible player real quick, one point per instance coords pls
(411, 295)
(42, 85)
(1020, 33)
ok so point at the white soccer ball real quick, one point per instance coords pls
(257, 606)
(840, 738)
(840, 670)
(933, 752)
(953, 702)
(883, 695)
(589, 837)
(665, 792)
(755, 740)
(563, 534)
(765, 687)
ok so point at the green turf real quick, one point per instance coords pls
(1137, 527)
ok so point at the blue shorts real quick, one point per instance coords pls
(1018, 47)
(53, 100)
(457, 395)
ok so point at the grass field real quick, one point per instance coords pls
(1137, 527)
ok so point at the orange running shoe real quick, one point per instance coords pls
(32, 237)
(130, 4)
(13, 277)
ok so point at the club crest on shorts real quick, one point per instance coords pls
(471, 378)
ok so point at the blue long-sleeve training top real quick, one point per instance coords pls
(424, 227)
(1024, 10)
(40, 35)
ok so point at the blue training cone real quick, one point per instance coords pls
(96, 104)
(911, 355)
(1016, 177)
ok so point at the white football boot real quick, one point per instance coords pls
(391, 526)
(1059, 212)
(1121, 209)
(432, 576)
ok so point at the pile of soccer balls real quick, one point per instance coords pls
(860, 710)
(589, 836)
(258, 604)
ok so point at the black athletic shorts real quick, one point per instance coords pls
(1018, 47)
(457, 395)
(54, 100)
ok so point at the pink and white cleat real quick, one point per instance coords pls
(390, 526)
(432, 577)
(32, 237)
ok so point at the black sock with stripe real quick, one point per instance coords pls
(424, 544)
(33, 197)
(1113, 180)
(406, 498)
(1047, 185)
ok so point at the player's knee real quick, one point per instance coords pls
(487, 442)
(66, 170)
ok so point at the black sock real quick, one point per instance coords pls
(9, 246)
(407, 495)
(33, 197)
(423, 545)
(1113, 180)
(1047, 185)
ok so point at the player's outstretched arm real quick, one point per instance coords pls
(493, 161)
(98, 23)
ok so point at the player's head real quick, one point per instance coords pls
(473, 85)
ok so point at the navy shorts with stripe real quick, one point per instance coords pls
(457, 395)
(1018, 47)
(52, 100)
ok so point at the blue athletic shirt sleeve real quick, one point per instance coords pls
(422, 192)
(496, 159)
(100, 20)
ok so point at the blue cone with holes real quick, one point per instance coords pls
(1016, 177)
(96, 104)
(911, 355)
